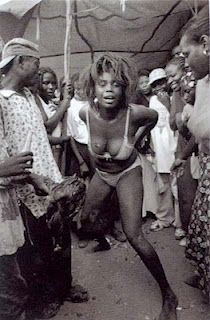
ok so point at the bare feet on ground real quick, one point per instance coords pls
(170, 304)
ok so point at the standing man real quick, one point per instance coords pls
(22, 124)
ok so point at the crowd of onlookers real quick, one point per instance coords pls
(44, 142)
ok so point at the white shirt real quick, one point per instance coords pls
(75, 126)
(163, 138)
(50, 110)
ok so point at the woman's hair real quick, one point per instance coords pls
(197, 26)
(143, 73)
(123, 72)
(43, 70)
(177, 61)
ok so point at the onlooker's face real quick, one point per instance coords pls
(189, 95)
(108, 91)
(159, 85)
(49, 84)
(143, 85)
(194, 57)
(177, 52)
(174, 74)
(188, 85)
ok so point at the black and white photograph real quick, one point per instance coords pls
(104, 160)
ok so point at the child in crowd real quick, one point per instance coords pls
(53, 110)
(143, 89)
(77, 129)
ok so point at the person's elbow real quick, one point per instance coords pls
(153, 117)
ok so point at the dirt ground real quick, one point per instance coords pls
(121, 288)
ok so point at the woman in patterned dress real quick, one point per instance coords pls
(195, 47)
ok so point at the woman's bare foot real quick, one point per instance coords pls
(193, 281)
(170, 304)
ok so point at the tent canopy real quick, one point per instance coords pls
(144, 30)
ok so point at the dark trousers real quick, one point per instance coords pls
(13, 289)
(48, 273)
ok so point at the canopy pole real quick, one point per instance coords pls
(67, 57)
(122, 3)
(38, 21)
(67, 47)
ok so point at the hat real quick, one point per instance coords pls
(18, 47)
(156, 74)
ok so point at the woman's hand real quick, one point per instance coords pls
(17, 165)
(84, 170)
(164, 98)
(68, 91)
(178, 167)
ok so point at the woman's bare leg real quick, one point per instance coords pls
(130, 194)
(97, 195)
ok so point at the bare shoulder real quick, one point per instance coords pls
(139, 112)
(83, 112)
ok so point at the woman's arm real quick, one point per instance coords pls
(58, 140)
(53, 121)
(145, 120)
(82, 165)
(83, 113)
(64, 104)
(189, 149)
(186, 153)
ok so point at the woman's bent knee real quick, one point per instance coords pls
(135, 239)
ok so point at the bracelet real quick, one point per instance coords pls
(80, 163)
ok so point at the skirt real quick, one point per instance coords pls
(198, 238)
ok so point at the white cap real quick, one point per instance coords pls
(156, 74)
(18, 47)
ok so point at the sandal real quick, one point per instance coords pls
(77, 294)
(156, 226)
(103, 245)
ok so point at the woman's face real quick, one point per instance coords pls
(194, 57)
(189, 95)
(159, 86)
(49, 84)
(108, 91)
(143, 85)
(174, 74)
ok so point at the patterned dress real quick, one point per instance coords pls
(11, 225)
(19, 117)
(198, 239)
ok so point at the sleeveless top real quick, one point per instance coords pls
(126, 148)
